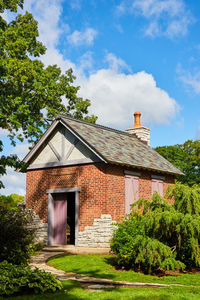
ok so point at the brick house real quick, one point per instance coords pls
(81, 177)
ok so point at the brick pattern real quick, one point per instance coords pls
(102, 189)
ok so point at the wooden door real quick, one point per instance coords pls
(60, 219)
(131, 191)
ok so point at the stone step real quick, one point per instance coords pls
(76, 250)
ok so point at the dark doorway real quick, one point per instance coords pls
(71, 218)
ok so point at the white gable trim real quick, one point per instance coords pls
(48, 133)
(63, 164)
(40, 142)
(83, 141)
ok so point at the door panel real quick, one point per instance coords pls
(160, 188)
(131, 191)
(154, 187)
(157, 186)
(60, 219)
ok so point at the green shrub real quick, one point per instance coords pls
(147, 254)
(135, 250)
(19, 280)
(157, 235)
(16, 240)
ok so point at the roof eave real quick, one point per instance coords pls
(146, 168)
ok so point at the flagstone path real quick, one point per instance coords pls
(40, 261)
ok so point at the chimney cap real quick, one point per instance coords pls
(137, 116)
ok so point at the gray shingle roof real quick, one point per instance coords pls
(119, 147)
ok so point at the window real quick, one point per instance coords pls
(131, 191)
(157, 186)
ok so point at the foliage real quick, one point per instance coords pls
(186, 199)
(186, 157)
(17, 198)
(146, 254)
(31, 94)
(16, 239)
(158, 235)
(10, 202)
(19, 280)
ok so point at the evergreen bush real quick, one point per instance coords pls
(157, 235)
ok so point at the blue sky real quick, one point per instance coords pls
(127, 55)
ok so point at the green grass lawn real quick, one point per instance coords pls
(100, 266)
(73, 291)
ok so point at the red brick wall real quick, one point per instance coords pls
(102, 189)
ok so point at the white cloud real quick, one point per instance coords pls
(154, 8)
(21, 150)
(51, 28)
(168, 18)
(121, 8)
(191, 80)
(78, 38)
(14, 183)
(86, 62)
(75, 4)
(47, 13)
(115, 96)
(116, 63)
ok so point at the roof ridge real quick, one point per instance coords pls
(97, 125)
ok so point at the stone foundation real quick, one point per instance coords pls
(40, 229)
(98, 235)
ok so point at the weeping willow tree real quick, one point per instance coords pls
(157, 235)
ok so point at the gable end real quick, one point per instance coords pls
(60, 146)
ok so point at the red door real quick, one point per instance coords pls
(131, 192)
(60, 219)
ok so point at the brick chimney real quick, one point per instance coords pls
(143, 133)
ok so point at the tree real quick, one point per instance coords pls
(31, 95)
(10, 202)
(161, 236)
(186, 157)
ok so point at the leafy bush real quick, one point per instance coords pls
(10, 202)
(147, 254)
(16, 240)
(186, 199)
(17, 279)
(157, 235)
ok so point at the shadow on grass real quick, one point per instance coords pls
(68, 286)
(97, 273)
(112, 261)
(58, 256)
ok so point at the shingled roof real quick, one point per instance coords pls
(119, 147)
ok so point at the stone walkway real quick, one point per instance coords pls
(40, 260)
